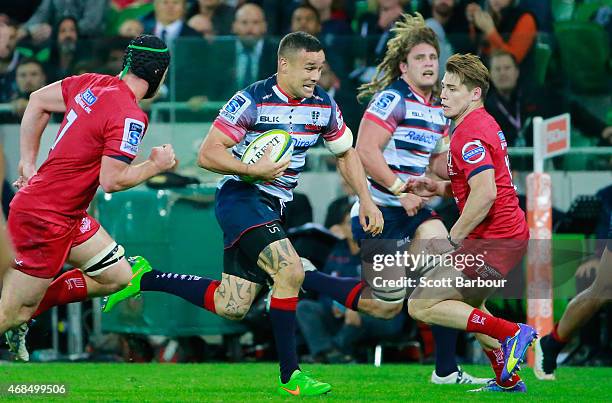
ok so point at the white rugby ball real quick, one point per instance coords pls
(280, 141)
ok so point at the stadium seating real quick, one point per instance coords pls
(585, 54)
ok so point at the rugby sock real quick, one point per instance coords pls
(198, 290)
(446, 345)
(497, 362)
(345, 290)
(552, 344)
(67, 288)
(555, 336)
(282, 316)
(498, 328)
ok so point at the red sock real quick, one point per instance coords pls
(480, 322)
(497, 362)
(209, 296)
(556, 337)
(69, 287)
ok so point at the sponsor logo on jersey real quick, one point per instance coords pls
(269, 119)
(133, 131)
(502, 139)
(234, 108)
(473, 152)
(339, 118)
(85, 225)
(89, 97)
(303, 142)
(449, 164)
(383, 105)
(422, 137)
(78, 98)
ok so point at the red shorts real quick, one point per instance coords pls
(41, 246)
(492, 259)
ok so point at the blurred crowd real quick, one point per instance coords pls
(235, 42)
(219, 47)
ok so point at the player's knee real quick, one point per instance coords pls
(387, 310)
(291, 274)
(235, 313)
(24, 315)
(417, 309)
(10, 317)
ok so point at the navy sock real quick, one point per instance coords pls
(446, 346)
(282, 316)
(195, 289)
(345, 290)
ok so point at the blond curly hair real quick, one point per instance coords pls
(408, 32)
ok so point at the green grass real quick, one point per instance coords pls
(244, 383)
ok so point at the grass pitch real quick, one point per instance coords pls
(244, 383)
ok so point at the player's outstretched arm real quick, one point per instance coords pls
(214, 156)
(428, 187)
(40, 106)
(351, 169)
(117, 175)
(483, 192)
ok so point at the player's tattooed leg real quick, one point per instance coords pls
(234, 296)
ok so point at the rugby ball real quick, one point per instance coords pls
(279, 140)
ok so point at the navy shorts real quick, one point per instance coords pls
(250, 220)
(240, 207)
(398, 224)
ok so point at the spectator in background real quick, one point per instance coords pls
(9, 59)
(333, 19)
(251, 57)
(66, 51)
(168, 21)
(375, 31)
(502, 26)
(507, 101)
(131, 29)
(449, 23)
(337, 52)
(215, 12)
(88, 13)
(306, 18)
(30, 76)
(330, 330)
(204, 26)
(338, 208)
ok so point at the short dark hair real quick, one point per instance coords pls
(29, 60)
(502, 53)
(310, 7)
(297, 41)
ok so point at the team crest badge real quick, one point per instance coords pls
(315, 116)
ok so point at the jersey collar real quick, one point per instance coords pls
(286, 97)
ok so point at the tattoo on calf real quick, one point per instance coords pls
(236, 295)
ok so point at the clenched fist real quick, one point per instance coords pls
(163, 157)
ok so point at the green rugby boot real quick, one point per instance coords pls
(140, 266)
(301, 384)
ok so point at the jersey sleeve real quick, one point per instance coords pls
(237, 116)
(123, 135)
(386, 110)
(337, 136)
(70, 86)
(473, 155)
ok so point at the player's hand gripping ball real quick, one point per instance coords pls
(269, 154)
